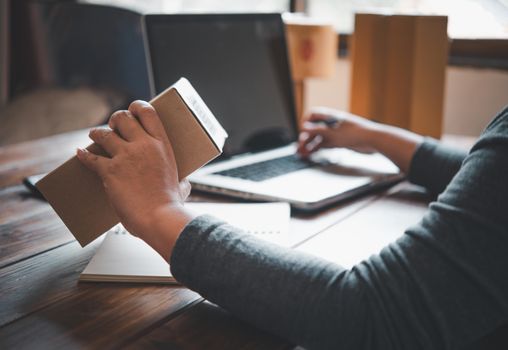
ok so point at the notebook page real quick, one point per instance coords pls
(269, 221)
(122, 257)
(122, 254)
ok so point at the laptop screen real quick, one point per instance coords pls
(238, 64)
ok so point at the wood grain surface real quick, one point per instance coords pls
(207, 326)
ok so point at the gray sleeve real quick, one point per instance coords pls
(443, 284)
(434, 165)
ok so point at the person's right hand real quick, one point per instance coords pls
(350, 131)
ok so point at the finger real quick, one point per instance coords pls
(300, 149)
(314, 127)
(95, 163)
(305, 138)
(108, 140)
(332, 118)
(310, 145)
(126, 125)
(185, 188)
(148, 117)
(315, 144)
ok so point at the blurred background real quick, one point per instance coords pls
(66, 65)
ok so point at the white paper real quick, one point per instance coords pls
(125, 258)
(269, 221)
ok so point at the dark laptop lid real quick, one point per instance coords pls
(238, 64)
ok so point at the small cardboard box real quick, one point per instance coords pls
(77, 194)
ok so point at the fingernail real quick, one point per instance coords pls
(81, 152)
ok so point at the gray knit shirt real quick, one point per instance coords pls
(442, 285)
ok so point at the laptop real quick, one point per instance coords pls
(239, 65)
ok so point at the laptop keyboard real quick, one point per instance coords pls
(267, 169)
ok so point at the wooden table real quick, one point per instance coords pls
(42, 305)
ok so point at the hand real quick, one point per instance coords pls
(350, 131)
(140, 176)
(358, 134)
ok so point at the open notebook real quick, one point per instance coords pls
(125, 258)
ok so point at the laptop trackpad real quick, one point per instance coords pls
(311, 185)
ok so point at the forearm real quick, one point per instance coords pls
(413, 295)
(396, 144)
(434, 165)
(426, 161)
(277, 289)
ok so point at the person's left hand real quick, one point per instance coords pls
(140, 176)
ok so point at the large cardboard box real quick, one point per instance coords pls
(77, 194)
(398, 70)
